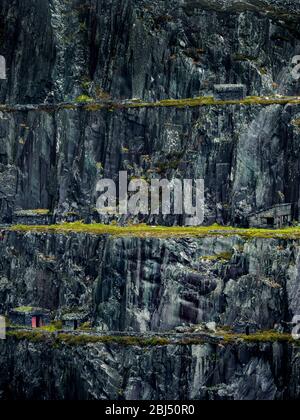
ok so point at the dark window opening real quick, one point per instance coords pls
(75, 325)
(270, 221)
(285, 220)
(247, 330)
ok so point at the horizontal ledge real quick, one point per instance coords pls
(145, 231)
(149, 340)
(275, 8)
(92, 105)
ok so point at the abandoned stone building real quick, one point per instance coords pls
(30, 317)
(245, 327)
(229, 92)
(32, 217)
(72, 321)
(278, 216)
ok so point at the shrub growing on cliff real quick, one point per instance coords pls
(84, 99)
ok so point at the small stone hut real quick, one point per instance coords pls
(275, 217)
(32, 217)
(245, 327)
(72, 321)
(229, 92)
(30, 317)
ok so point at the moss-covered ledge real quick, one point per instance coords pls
(224, 338)
(90, 104)
(145, 231)
(210, 101)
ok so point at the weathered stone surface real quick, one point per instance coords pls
(248, 157)
(52, 158)
(204, 372)
(128, 284)
(58, 50)
(229, 92)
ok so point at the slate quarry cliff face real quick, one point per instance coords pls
(142, 285)
(149, 50)
(207, 372)
(57, 51)
(248, 157)
(52, 156)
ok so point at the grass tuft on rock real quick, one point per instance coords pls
(84, 99)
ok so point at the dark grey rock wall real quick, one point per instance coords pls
(207, 372)
(58, 50)
(53, 158)
(128, 284)
(152, 50)
(248, 157)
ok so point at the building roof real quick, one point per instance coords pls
(275, 207)
(242, 323)
(30, 310)
(229, 87)
(32, 213)
(74, 316)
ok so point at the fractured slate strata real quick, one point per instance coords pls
(247, 155)
(134, 284)
(57, 50)
(206, 372)
(52, 158)
(151, 284)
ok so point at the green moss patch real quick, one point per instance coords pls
(222, 257)
(43, 335)
(259, 337)
(84, 98)
(24, 309)
(33, 336)
(35, 212)
(296, 122)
